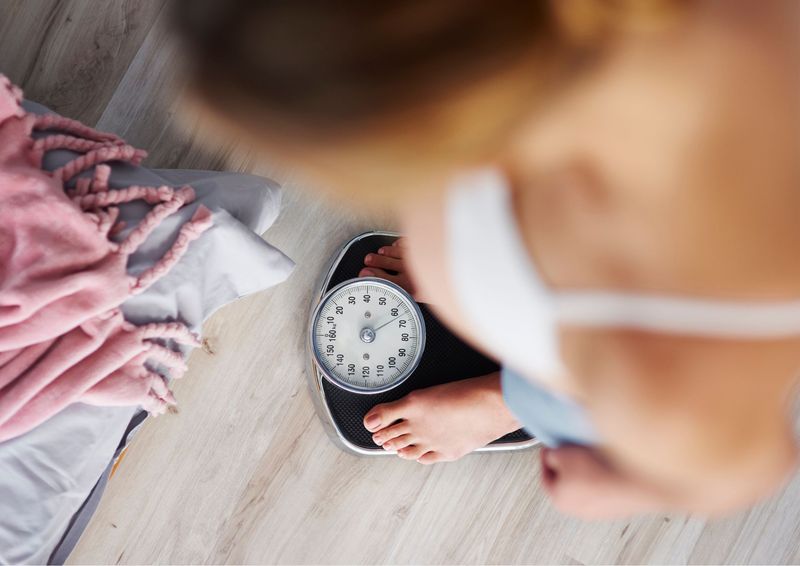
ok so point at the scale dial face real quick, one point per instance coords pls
(367, 335)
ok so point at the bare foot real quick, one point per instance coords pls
(444, 422)
(389, 263)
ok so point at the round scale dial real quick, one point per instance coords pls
(367, 335)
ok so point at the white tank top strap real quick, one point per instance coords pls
(680, 315)
(500, 292)
(495, 283)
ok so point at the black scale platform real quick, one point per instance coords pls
(446, 359)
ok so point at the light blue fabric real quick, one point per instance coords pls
(552, 418)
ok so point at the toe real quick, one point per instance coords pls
(429, 458)
(391, 432)
(392, 251)
(399, 443)
(384, 415)
(383, 262)
(411, 452)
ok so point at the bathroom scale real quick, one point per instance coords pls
(369, 342)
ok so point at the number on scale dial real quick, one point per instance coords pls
(368, 334)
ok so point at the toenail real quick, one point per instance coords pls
(377, 440)
(382, 251)
(366, 272)
(372, 422)
(369, 259)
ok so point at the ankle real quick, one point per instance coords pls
(506, 421)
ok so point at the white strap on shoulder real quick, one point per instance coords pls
(500, 292)
(678, 315)
(495, 283)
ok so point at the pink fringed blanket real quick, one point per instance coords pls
(63, 338)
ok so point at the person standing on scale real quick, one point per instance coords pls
(601, 195)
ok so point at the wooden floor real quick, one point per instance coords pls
(244, 473)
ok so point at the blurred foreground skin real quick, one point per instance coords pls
(654, 152)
